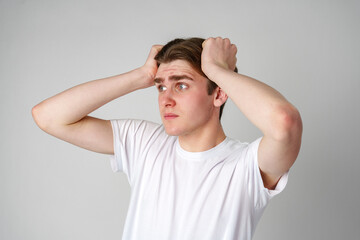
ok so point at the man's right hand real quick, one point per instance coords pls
(150, 67)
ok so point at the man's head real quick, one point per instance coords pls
(190, 51)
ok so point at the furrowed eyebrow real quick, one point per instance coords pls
(174, 78)
(158, 80)
(180, 77)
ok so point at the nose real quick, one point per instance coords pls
(166, 99)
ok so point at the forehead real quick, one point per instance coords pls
(175, 68)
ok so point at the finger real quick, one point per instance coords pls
(234, 48)
(154, 50)
(157, 47)
(205, 42)
(210, 40)
(227, 41)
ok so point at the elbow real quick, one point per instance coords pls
(36, 114)
(40, 117)
(288, 124)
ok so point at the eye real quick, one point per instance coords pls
(181, 86)
(161, 88)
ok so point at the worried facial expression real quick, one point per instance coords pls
(184, 104)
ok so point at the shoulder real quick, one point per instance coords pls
(134, 125)
(135, 129)
(235, 146)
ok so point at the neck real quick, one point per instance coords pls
(202, 140)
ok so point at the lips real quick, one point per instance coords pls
(169, 116)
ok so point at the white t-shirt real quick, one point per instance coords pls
(180, 195)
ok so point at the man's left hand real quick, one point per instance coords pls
(218, 54)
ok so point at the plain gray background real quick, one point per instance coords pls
(308, 50)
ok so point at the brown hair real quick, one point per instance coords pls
(189, 50)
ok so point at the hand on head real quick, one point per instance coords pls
(150, 66)
(218, 53)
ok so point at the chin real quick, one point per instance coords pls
(173, 131)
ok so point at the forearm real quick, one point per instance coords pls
(265, 107)
(75, 103)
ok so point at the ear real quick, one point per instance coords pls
(220, 97)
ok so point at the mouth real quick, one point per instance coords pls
(169, 116)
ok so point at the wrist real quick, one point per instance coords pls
(215, 72)
(144, 78)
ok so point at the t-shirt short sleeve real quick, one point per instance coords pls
(131, 138)
(261, 195)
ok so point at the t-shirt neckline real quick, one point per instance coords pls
(200, 156)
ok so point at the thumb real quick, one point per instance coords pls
(155, 49)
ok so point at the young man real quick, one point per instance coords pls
(188, 180)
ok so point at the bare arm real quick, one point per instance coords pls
(266, 108)
(65, 114)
